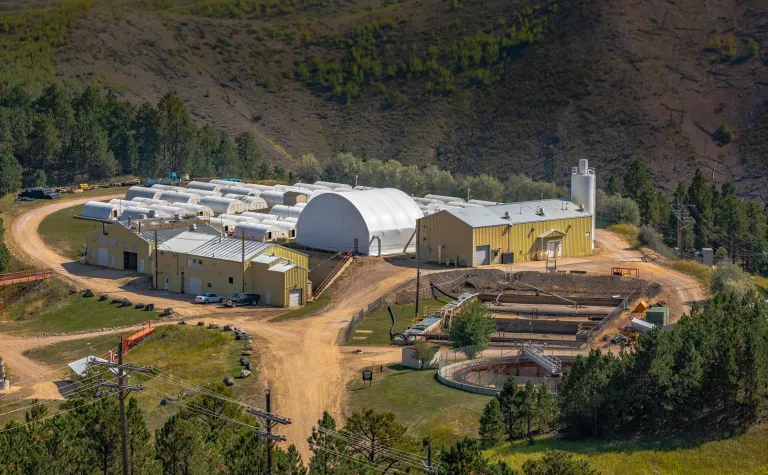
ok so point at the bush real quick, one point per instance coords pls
(618, 210)
(724, 134)
(648, 236)
(730, 278)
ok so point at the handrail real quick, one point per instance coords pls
(316, 292)
(25, 276)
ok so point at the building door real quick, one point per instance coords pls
(141, 266)
(482, 255)
(294, 298)
(554, 249)
(195, 286)
(130, 260)
(111, 261)
(356, 246)
(102, 258)
(268, 299)
(166, 285)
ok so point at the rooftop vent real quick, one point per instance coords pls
(581, 208)
(506, 215)
(540, 211)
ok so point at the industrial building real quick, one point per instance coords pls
(125, 245)
(505, 234)
(192, 263)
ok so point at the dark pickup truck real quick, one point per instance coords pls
(240, 300)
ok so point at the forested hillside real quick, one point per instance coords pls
(473, 86)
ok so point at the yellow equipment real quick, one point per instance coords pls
(83, 186)
(641, 307)
(630, 333)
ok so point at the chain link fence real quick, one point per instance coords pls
(346, 333)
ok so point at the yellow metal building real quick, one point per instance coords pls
(194, 264)
(126, 245)
(505, 234)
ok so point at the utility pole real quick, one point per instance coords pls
(418, 265)
(427, 464)
(683, 221)
(122, 389)
(269, 420)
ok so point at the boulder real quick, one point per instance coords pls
(103, 298)
(88, 293)
(139, 305)
(166, 400)
(247, 353)
(125, 303)
(229, 327)
(182, 322)
(243, 361)
(213, 326)
(200, 324)
(244, 373)
(229, 381)
(149, 307)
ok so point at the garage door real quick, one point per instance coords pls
(482, 255)
(102, 258)
(195, 286)
(294, 298)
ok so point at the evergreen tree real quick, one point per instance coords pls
(247, 154)
(492, 427)
(638, 186)
(140, 450)
(10, 173)
(226, 161)
(525, 411)
(700, 207)
(506, 397)
(176, 133)
(329, 452)
(557, 462)
(5, 255)
(612, 186)
(464, 457)
(147, 139)
(373, 430)
(179, 447)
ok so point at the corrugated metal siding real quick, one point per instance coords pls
(296, 257)
(133, 243)
(523, 241)
(454, 235)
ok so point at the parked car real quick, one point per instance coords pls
(242, 299)
(208, 298)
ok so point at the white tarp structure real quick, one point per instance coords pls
(194, 210)
(221, 205)
(252, 203)
(272, 197)
(256, 232)
(132, 214)
(372, 222)
(286, 211)
(103, 211)
(149, 201)
(196, 191)
(166, 211)
(201, 185)
(224, 225)
(178, 197)
(256, 186)
(142, 192)
(238, 190)
(332, 185)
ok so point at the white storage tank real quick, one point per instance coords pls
(149, 201)
(101, 211)
(238, 190)
(257, 232)
(272, 197)
(584, 190)
(221, 205)
(143, 192)
(287, 211)
(201, 185)
(178, 197)
(333, 185)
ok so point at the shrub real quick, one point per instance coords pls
(724, 134)
(730, 278)
(754, 48)
(618, 210)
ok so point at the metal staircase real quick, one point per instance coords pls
(536, 353)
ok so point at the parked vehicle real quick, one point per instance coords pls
(242, 299)
(208, 298)
(620, 339)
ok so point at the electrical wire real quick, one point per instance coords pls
(59, 389)
(54, 415)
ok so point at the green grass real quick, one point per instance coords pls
(307, 309)
(62, 232)
(76, 313)
(761, 283)
(379, 322)
(738, 455)
(701, 272)
(629, 231)
(421, 403)
(196, 354)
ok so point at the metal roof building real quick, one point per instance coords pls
(371, 222)
(178, 197)
(221, 205)
(143, 192)
(504, 234)
(101, 211)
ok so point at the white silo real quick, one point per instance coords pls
(584, 190)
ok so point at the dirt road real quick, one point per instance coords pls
(306, 371)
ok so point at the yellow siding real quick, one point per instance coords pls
(443, 237)
(523, 239)
(118, 239)
(296, 257)
(459, 240)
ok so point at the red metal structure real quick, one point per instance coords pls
(130, 341)
(12, 278)
(319, 290)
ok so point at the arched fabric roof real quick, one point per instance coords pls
(373, 222)
(102, 211)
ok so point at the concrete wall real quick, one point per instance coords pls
(409, 359)
(489, 384)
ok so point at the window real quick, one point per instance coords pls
(231, 280)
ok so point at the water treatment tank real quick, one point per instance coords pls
(584, 190)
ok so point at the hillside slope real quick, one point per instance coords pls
(496, 86)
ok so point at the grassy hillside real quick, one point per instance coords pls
(495, 86)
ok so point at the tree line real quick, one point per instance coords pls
(63, 138)
(212, 435)
(735, 228)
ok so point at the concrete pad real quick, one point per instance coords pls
(363, 331)
(359, 337)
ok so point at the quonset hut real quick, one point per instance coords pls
(372, 222)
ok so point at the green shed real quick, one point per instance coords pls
(657, 316)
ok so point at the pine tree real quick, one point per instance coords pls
(506, 397)
(612, 187)
(492, 427)
(10, 173)
(247, 154)
(700, 207)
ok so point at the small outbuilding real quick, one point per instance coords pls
(221, 205)
(100, 211)
(254, 231)
(142, 192)
(371, 222)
